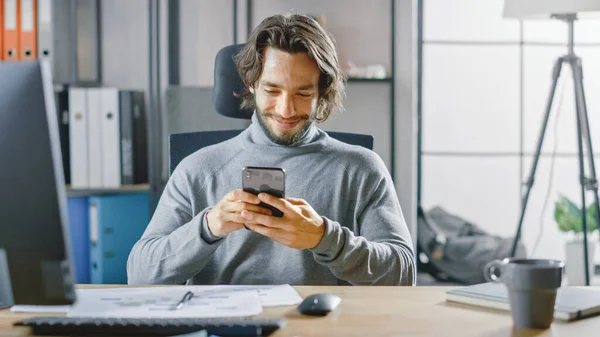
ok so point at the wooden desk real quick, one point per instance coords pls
(389, 311)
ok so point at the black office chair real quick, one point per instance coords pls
(227, 81)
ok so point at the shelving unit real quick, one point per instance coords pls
(77, 192)
(79, 63)
(141, 46)
(162, 56)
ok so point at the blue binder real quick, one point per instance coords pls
(78, 209)
(116, 223)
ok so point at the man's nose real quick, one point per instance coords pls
(285, 106)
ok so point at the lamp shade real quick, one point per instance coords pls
(544, 9)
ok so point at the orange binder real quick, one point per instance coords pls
(28, 30)
(1, 31)
(11, 30)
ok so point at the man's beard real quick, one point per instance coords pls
(286, 139)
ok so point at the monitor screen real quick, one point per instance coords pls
(35, 257)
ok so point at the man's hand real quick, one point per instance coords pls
(300, 227)
(225, 217)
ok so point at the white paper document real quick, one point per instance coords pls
(149, 302)
(271, 296)
(163, 303)
(40, 308)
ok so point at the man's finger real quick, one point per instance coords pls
(233, 218)
(296, 201)
(269, 232)
(235, 225)
(265, 220)
(257, 218)
(241, 195)
(280, 204)
(238, 207)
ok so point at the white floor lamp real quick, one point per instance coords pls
(568, 11)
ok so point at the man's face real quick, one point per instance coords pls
(286, 95)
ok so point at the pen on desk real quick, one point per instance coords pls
(186, 297)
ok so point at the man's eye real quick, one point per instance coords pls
(304, 94)
(269, 91)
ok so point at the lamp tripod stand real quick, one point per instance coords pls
(583, 138)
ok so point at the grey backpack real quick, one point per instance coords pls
(457, 250)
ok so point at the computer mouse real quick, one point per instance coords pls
(319, 304)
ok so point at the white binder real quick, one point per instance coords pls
(111, 136)
(54, 22)
(68, 38)
(78, 137)
(95, 154)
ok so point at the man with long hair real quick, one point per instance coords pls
(342, 223)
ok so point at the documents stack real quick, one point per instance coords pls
(107, 137)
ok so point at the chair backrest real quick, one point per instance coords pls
(228, 83)
(182, 145)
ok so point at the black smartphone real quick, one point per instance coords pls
(269, 180)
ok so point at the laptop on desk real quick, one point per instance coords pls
(572, 303)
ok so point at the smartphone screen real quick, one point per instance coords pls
(265, 179)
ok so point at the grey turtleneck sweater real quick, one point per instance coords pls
(366, 240)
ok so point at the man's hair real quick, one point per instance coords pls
(294, 33)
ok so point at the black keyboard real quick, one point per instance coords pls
(65, 326)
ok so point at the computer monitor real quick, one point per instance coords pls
(35, 260)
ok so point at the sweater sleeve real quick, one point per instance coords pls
(381, 254)
(176, 244)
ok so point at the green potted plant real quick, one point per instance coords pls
(569, 218)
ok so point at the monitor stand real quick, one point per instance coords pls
(6, 297)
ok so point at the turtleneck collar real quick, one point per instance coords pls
(258, 136)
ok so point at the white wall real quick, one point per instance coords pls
(124, 39)
(485, 85)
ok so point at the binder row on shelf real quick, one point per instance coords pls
(18, 36)
(103, 137)
(103, 230)
(64, 32)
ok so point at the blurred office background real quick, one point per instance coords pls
(486, 81)
(453, 93)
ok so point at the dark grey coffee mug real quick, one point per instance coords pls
(531, 285)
